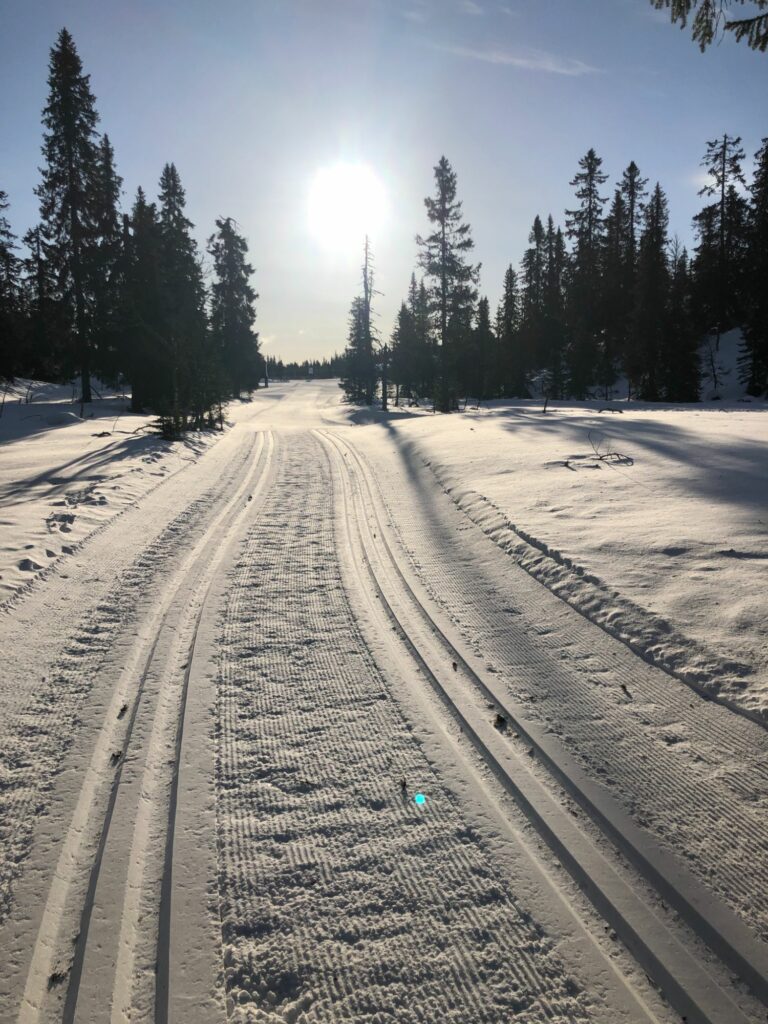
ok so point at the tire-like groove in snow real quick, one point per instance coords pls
(188, 588)
(686, 984)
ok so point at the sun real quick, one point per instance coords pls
(346, 202)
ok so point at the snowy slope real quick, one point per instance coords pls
(62, 477)
(663, 540)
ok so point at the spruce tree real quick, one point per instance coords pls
(708, 17)
(67, 188)
(453, 279)
(649, 321)
(403, 367)
(232, 308)
(424, 369)
(754, 356)
(554, 325)
(47, 354)
(633, 191)
(481, 377)
(512, 370)
(10, 298)
(195, 385)
(585, 228)
(722, 162)
(368, 333)
(145, 355)
(533, 275)
(357, 360)
(616, 293)
(680, 359)
(104, 264)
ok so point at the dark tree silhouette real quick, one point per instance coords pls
(232, 308)
(10, 297)
(67, 190)
(452, 290)
(585, 227)
(754, 355)
(709, 16)
(651, 297)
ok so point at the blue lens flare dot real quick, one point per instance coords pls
(419, 799)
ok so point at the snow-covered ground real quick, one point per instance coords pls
(63, 476)
(651, 520)
(287, 737)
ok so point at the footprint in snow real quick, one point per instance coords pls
(28, 565)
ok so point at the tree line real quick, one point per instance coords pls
(609, 296)
(121, 296)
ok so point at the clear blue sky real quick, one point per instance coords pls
(251, 97)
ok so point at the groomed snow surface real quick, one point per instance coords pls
(231, 663)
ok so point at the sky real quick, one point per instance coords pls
(253, 99)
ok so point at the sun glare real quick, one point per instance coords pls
(346, 202)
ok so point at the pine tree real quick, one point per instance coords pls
(11, 307)
(195, 383)
(67, 188)
(754, 355)
(104, 263)
(232, 308)
(585, 227)
(680, 359)
(649, 323)
(452, 289)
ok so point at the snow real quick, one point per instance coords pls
(62, 476)
(651, 520)
(208, 706)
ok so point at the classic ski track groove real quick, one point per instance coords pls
(686, 770)
(52, 714)
(201, 561)
(689, 988)
(340, 901)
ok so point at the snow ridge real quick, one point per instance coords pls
(647, 634)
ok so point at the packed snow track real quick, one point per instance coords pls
(215, 718)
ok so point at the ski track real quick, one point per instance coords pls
(37, 733)
(690, 772)
(340, 899)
